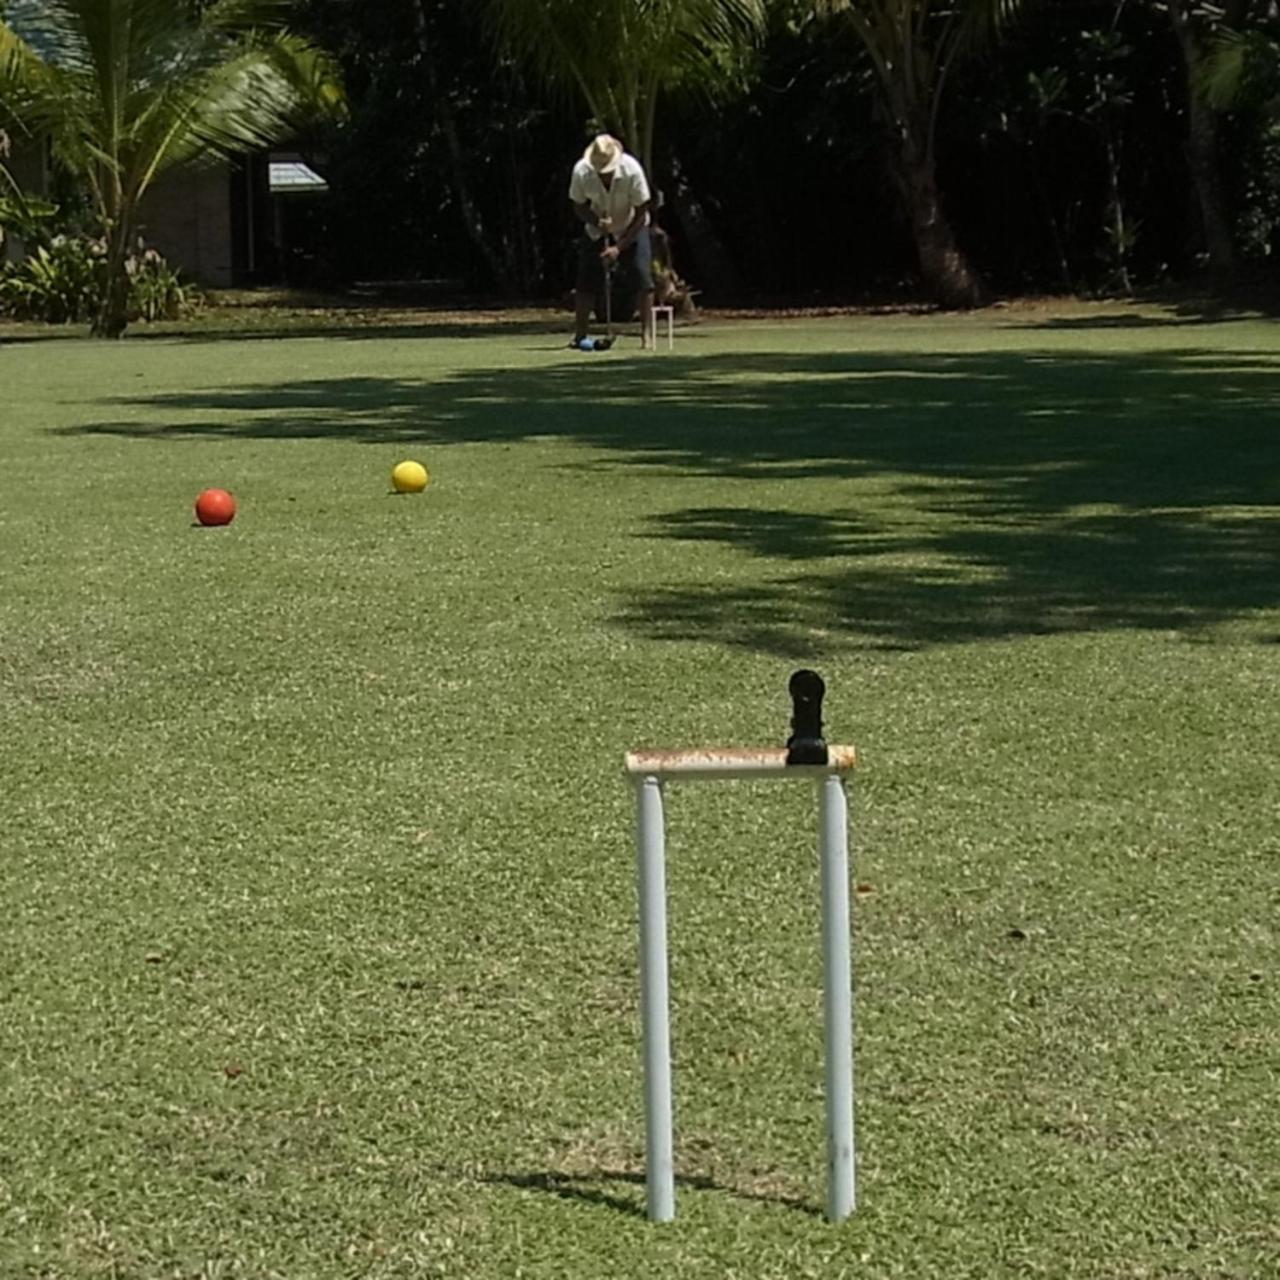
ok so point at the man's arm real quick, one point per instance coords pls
(639, 220)
(588, 215)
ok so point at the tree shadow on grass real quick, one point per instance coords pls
(592, 1189)
(936, 579)
(957, 496)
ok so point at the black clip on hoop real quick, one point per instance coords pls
(806, 744)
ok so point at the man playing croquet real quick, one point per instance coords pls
(610, 194)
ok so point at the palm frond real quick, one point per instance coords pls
(1240, 68)
(50, 32)
(269, 91)
(237, 17)
(126, 88)
(976, 23)
(965, 25)
(704, 37)
(313, 74)
(621, 53)
(7, 181)
(555, 38)
(31, 91)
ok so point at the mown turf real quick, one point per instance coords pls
(317, 922)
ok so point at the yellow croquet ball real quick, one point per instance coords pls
(409, 477)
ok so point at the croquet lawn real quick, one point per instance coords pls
(317, 897)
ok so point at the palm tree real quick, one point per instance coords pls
(8, 185)
(1234, 66)
(1241, 67)
(126, 89)
(19, 212)
(913, 44)
(622, 55)
(1205, 35)
(619, 57)
(15, 209)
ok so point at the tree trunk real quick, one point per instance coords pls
(526, 249)
(714, 271)
(1202, 154)
(113, 312)
(944, 268)
(474, 223)
(1059, 249)
(1117, 228)
(1202, 142)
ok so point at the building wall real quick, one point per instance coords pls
(187, 216)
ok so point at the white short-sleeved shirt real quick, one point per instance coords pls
(628, 191)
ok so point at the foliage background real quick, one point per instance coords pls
(790, 176)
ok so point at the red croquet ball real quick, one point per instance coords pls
(215, 506)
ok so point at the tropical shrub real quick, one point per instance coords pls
(65, 282)
(60, 283)
(155, 291)
(127, 89)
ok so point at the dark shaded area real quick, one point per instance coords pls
(456, 160)
(592, 1189)
(1012, 493)
(1180, 308)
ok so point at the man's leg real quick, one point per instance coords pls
(586, 287)
(583, 301)
(647, 338)
(642, 265)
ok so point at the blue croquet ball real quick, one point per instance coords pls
(587, 344)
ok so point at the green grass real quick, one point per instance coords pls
(317, 921)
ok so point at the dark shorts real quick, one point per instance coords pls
(634, 269)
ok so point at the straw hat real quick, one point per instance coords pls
(604, 154)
